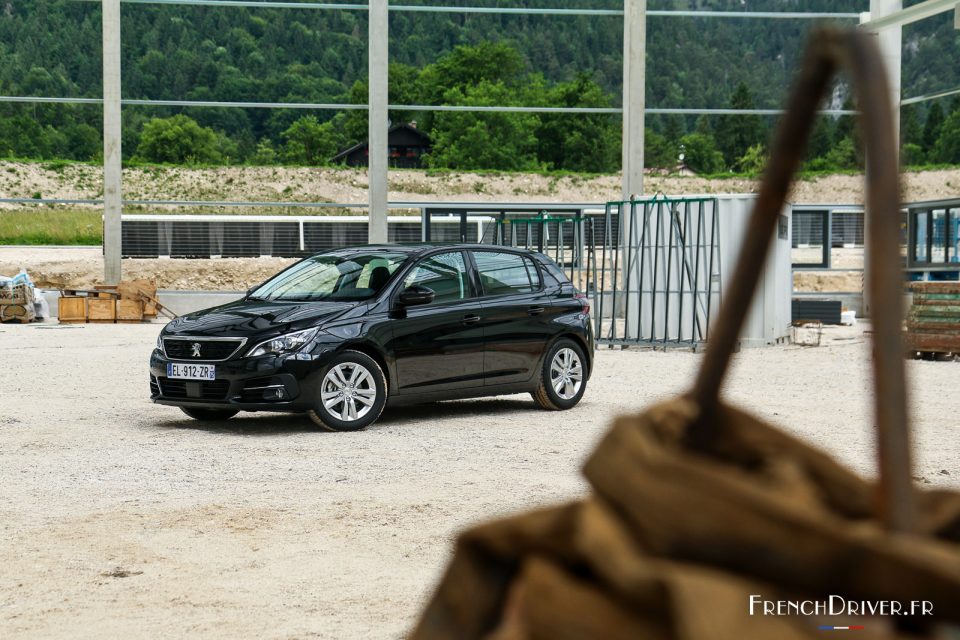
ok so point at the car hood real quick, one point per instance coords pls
(246, 318)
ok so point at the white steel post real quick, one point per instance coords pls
(112, 167)
(634, 94)
(890, 40)
(634, 99)
(377, 123)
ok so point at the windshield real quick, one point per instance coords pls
(352, 277)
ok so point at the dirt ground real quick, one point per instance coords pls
(78, 267)
(311, 184)
(59, 267)
(124, 519)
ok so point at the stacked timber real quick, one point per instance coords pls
(129, 301)
(933, 323)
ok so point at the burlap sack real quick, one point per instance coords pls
(700, 511)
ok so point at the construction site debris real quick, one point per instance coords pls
(129, 301)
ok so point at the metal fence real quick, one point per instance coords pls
(654, 271)
(217, 236)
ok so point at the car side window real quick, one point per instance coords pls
(445, 273)
(504, 273)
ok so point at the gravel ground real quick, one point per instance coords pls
(120, 518)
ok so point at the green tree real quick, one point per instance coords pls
(844, 155)
(178, 140)
(577, 142)
(947, 149)
(753, 161)
(821, 139)
(735, 134)
(910, 130)
(310, 142)
(701, 153)
(471, 65)
(931, 128)
(658, 153)
(464, 140)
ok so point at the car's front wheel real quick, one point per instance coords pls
(352, 394)
(207, 415)
(563, 377)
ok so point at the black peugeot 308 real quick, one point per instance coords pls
(343, 333)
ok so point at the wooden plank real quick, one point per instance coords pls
(922, 299)
(938, 311)
(72, 309)
(101, 310)
(935, 287)
(934, 328)
(129, 311)
(938, 343)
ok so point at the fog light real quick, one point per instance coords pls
(275, 394)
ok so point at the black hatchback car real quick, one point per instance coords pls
(342, 334)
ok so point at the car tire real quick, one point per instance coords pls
(209, 415)
(563, 364)
(352, 393)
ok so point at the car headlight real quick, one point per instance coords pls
(287, 343)
(160, 341)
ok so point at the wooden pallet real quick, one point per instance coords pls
(128, 302)
(933, 322)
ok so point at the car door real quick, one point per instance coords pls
(517, 315)
(439, 346)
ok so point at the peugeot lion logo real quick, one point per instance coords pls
(196, 349)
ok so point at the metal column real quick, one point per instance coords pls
(378, 123)
(634, 94)
(634, 98)
(112, 167)
(891, 47)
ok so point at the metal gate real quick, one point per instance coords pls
(651, 267)
(654, 271)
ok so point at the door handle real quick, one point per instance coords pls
(471, 319)
(534, 311)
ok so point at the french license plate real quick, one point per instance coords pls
(185, 371)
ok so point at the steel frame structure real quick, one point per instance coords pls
(634, 15)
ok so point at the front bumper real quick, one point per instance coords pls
(267, 383)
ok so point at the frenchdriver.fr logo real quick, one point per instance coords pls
(839, 606)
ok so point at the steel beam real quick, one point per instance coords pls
(377, 119)
(909, 15)
(543, 11)
(112, 163)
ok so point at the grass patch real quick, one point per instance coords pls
(32, 227)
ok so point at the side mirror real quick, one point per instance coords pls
(416, 295)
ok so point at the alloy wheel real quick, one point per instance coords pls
(348, 392)
(566, 373)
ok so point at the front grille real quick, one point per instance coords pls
(194, 389)
(187, 348)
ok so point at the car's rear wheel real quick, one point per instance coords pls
(352, 395)
(199, 413)
(563, 377)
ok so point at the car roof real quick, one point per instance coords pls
(422, 248)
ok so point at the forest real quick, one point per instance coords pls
(52, 48)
